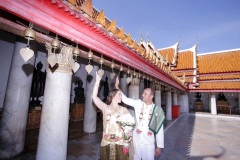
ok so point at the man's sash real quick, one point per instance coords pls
(157, 119)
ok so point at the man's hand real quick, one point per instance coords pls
(157, 151)
(117, 83)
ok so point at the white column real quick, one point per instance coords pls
(209, 101)
(141, 88)
(53, 133)
(168, 105)
(213, 104)
(90, 112)
(184, 103)
(123, 83)
(16, 103)
(157, 98)
(133, 92)
(175, 98)
(238, 102)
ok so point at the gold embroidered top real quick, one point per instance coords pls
(112, 132)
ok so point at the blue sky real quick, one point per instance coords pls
(215, 24)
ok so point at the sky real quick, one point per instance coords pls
(213, 24)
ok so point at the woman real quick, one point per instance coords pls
(112, 144)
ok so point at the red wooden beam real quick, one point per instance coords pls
(57, 17)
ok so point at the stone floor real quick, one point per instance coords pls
(194, 136)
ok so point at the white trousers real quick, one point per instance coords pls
(144, 151)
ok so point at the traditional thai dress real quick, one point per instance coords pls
(112, 138)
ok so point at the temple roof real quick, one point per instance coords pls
(184, 61)
(211, 71)
(219, 62)
(80, 22)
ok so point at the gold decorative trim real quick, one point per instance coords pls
(128, 39)
(87, 7)
(141, 50)
(101, 18)
(134, 45)
(112, 27)
(121, 34)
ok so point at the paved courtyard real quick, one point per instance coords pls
(189, 137)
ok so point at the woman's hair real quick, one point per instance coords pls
(111, 95)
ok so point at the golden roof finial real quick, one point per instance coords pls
(180, 38)
(141, 36)
(148, 38)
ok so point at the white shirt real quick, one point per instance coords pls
(142, 125)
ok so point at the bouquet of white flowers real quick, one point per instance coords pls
(127, 123)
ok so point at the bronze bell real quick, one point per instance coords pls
(101, 60)
(90, 55)
(112, 65)
(121, 68)
(29, 34)
(76, 51)
(55, 43)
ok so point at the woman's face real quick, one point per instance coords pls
(118, 97)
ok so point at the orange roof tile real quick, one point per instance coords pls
(220, 62)
(184, 60)
(219, 77)
(219, 85)
(169, 52)
(180, 74)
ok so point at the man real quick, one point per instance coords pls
(149, 121)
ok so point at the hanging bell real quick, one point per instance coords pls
(112, 65)
(101, 60)
(121, 68)
(55, 43)
(139, 75)
(29, 34)
(134, 73)
(76, 51)
(128, 71)
(90, 54)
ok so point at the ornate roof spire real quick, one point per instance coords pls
(149, 41)
(141, 36)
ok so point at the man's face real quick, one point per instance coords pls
(146, 96)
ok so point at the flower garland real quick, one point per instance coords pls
(127, 123)
(143, 117)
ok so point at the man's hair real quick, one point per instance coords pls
(152, 91)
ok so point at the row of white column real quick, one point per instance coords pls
(213, 105)
(53, 133)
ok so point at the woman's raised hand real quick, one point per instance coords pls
(117, 83)
(98, 78)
